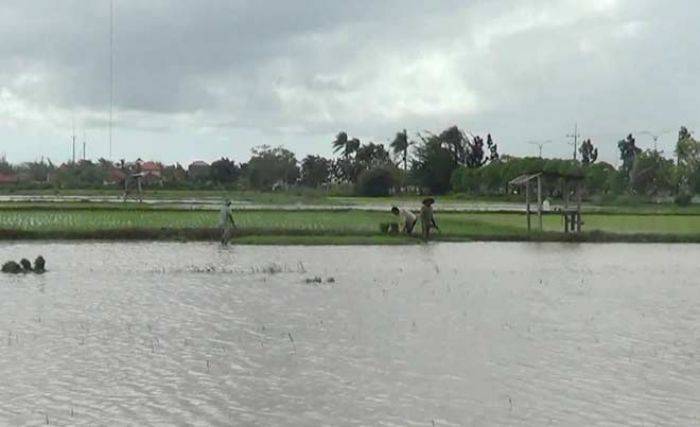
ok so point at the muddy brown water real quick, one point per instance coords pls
(443, 334)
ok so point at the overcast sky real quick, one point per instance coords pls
(210, 78)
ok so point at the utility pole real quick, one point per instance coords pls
(111, 71)
(84, 144)
(655, 136)
(574, 136)
(73, 138)
(539, 144)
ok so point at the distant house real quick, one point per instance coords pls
(115, 176)
(7, 178)
(152, 168)
(152, 172)
(198, 170)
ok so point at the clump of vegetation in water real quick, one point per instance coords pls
(317, 280)
(11, 267)
(389, 228)
(39, 264)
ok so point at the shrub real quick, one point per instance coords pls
(378, 181)
(683, 199)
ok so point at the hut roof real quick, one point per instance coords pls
(567, 176)
(523, 179)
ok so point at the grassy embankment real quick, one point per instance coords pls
(325, 227)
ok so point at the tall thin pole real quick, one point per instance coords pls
(539, 200)
(73, 139)
(84, 144)
(539, 145)
(111, 71)
(575, 136)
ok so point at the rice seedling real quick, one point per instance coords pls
(274, 226)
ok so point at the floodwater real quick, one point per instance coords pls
(440, 334)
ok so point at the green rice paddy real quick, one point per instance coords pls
(344, 226)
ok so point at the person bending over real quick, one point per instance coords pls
(407, 219)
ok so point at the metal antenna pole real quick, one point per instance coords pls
(575, 136)
(111, 71)
(73, 139)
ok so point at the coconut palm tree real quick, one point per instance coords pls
(352, 146)
(400, 146)
(341, 144)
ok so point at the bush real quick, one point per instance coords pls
(389, 228)
(683, 199)
(378, 181)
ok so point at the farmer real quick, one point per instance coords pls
(427, 219)
(408, 219)
(226, 223)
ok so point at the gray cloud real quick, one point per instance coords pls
(298, 71)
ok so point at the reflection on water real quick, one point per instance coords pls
(464, 334)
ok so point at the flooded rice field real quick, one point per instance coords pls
(433, 335)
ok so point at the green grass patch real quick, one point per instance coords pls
(328, 227)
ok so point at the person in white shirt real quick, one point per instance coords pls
(226, 223)
(408, 219)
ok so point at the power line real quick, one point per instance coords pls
(655, 136)
(539, 144)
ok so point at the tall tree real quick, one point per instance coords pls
(589, 154)
(493, 148)
(270, 166)
(687, 148)
(688, 161)
(475, 154)
(433, 164)
(369, 155)
(340, 144)
(400, 146)
(224, 171)
(454, 140)
(628, 152)
(344, 145)
(651, 174)
(315, 171)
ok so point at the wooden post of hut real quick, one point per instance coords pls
(524, 181)
(527, 203)
(565, 193)
(578, 207)
(570, 214)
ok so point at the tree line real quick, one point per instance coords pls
(453, 160)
